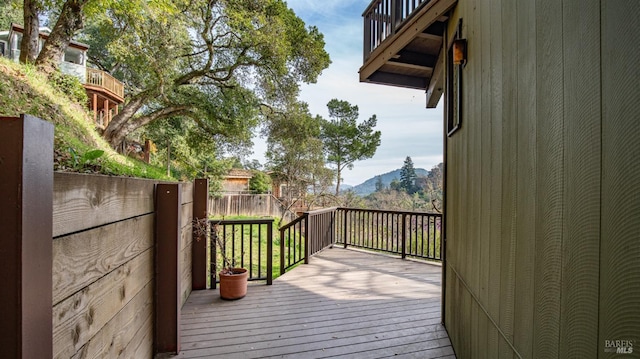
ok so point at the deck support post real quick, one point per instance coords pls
(167, 296)
(26, 189)
(199, 243)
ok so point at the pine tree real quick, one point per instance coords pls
(408, 176)
(379, 184)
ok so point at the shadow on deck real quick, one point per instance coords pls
(344, 304)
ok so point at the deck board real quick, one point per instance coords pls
(344, 304)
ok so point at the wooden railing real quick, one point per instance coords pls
(407, 234)
(106, 81)
(383, 18)
(247, 243)
(293, 243)
(306, 236)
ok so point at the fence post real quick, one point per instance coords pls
(26, 189)
(199, 243)
(404, 236)
(167, 321)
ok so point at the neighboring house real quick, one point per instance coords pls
(542, 169)
(105, 92)
(236, 181)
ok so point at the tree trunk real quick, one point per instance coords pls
(126, 124)
(71, 20)
(114, 127)
(30, 36)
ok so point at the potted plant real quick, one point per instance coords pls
(233, 280)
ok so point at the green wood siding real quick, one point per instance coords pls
(543, 180)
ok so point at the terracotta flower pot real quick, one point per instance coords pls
(234, 285)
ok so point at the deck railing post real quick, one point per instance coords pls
(168, 220)
(283, 238)
(270, 253)
(199, 243)
(396, 15)
(307, 238)
(333, 227)
(214, 255)
(344, 233)
(404, 236)
(26, 189)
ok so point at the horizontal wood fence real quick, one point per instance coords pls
(117, 252)
(103, 264)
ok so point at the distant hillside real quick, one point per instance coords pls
(369, 186)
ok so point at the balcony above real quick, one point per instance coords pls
(403, 40)
(105, 84)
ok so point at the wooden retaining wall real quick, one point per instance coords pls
(103, 265)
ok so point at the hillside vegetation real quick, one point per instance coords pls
(78, 146)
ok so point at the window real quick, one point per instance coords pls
(3, 47)
(454, 87)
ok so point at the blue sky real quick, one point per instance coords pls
(408, 128)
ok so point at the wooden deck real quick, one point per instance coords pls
(344, 304)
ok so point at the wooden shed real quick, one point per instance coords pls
(237, 181)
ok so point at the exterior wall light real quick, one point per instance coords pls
(460, 51)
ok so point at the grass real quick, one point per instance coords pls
(23, 90)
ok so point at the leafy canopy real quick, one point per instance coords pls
(294, 151)
(181, 65)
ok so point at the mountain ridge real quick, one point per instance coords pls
(369, 186)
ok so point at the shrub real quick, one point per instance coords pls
(69, 85)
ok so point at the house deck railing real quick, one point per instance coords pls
(247, 243)
(105, 81)
(407, 234)
(251, 242)
(383, 18)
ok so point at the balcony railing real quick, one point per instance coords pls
(407, 234)
(250, 242)
(383, 18)
(105, 81)
(246, 243)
